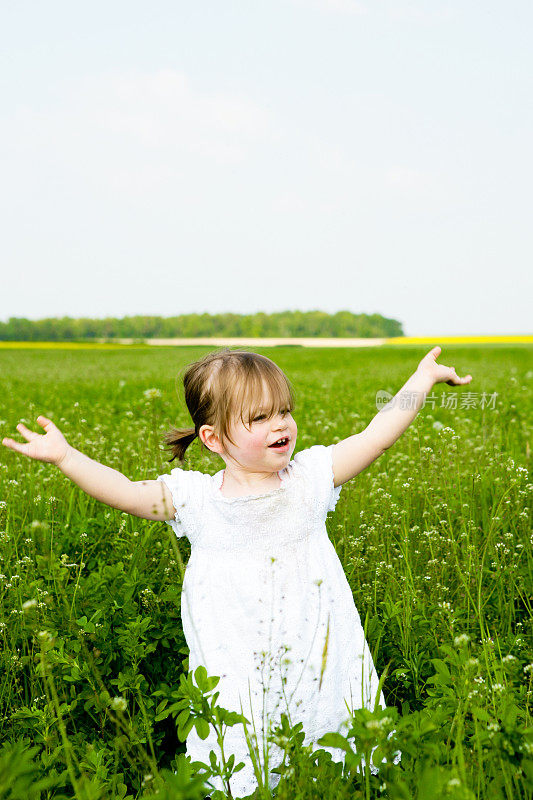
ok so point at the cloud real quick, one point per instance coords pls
(163, 107)
(420, 12)
(335, 6)
(138, 135)
(407, 180)
(393, 9)
(134, 130)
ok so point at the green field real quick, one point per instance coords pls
(434, 537)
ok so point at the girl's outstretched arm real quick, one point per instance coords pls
(147, 499)
(352, 455)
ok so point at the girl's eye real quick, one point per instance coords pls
(283, 412)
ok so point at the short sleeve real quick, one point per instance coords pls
(182, 486)
(317, 465)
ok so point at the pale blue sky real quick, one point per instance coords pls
(177, 157)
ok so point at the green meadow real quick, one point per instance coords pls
(434, 537)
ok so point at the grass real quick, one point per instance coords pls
(434, 537)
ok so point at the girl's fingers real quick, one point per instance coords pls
(13, 445)
(465, 379)
(434, 353)
(29, 435)
(455, 380)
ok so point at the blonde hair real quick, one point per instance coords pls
(224, 385)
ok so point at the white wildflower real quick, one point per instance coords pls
(151, 394)
(118, 704)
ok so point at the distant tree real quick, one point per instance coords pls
(278, 324)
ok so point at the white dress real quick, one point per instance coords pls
(262, 591)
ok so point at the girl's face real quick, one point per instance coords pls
(252, 447)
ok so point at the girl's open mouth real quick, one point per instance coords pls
(282, 445)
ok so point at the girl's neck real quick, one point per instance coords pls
(234, 486)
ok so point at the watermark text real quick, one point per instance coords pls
(447, 400)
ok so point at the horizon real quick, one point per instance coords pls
(471, 334)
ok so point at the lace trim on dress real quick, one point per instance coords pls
(219, 476)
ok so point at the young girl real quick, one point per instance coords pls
(265, 602)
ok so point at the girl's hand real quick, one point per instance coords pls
(439, 373)
(50, 446)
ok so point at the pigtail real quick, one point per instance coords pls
(177, 441)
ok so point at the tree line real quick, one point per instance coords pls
(277, 324)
